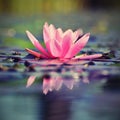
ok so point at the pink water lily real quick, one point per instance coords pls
(60, 44)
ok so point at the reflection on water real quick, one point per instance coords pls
(70, 94)
(54, 81)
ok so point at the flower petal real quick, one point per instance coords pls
(69, 31)
(55, 48)
(78, 46)
(47, 38)
(35, 53)
(76, 34)
(46, 32)
(86, 57)
(66, 43)
(59, 35)
(52, 31)
(49, 32)
(36, 43)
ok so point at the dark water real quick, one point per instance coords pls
(95, 94)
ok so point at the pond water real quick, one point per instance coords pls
(71, 98)
(32, 89)
(68, 92)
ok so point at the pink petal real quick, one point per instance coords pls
(46, 32)
(30, 81)
(66, 43)
(36, 43)
(48, 46)
(83, 57)
(35, 53)
(69, 31)
(52, 31)
(59, 35)
(78, 46)
(76, 34)
(58, 47)
(55, 48)
(47, 39)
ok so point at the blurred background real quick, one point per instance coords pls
(36, 7)
(17, 16)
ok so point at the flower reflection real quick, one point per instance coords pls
(54, 81)
(30, 81)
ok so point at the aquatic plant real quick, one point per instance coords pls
(59, 44)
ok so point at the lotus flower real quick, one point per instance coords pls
(60, 44)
